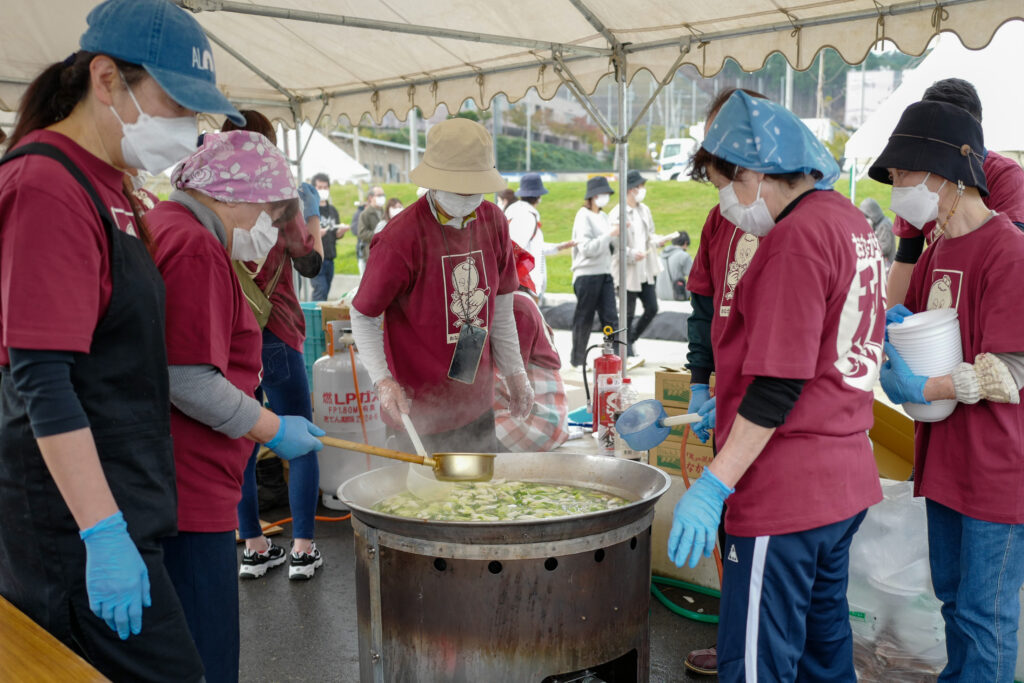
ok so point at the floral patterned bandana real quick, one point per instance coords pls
(238, 166)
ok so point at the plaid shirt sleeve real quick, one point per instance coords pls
(546, 427)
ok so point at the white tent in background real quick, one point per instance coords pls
(988, 69)
(321, 156)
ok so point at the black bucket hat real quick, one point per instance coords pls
(634, 179)
(596, 186)
(939, 138)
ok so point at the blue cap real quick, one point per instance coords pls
(766, 137)
(166, 41)
(531, 186)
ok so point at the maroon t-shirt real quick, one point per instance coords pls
(209, 322)
(535, 337)
(286, 319)
(1005, 181)
(424, 277)
(723, 256)
(973, 461)
(810, 306)
(54, 253)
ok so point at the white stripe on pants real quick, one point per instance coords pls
(754, 607)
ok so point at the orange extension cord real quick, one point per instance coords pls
(318, 518)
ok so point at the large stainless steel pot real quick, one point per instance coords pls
(522, 600)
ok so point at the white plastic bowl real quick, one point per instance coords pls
(936, 411)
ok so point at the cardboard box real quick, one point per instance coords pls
(667, 457)
(332, 310)
(705, 573)
(892, 438)
(672, 388)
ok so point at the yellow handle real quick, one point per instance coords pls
(376, 450)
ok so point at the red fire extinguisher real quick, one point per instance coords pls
(607, 380)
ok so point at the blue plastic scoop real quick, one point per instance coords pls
(644, 425)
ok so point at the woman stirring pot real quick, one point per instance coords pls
(85, 445)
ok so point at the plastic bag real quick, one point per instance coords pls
(898, 632)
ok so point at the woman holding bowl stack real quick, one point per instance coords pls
(970, 465)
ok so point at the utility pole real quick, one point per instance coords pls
(414, 139)
(529, 133)
(496, 124)
(819, 111)
(693, 101)
(788, 102)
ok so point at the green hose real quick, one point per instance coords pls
(681, 611)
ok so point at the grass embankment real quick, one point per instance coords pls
(674, 205)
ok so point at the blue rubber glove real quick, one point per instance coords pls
(699, 395)
(310, 201)
(899, 383)
(894, 316)
(707, 411)
(116, 578)
(695, 520)
(295, 437)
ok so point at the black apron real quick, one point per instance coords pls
(122, 384)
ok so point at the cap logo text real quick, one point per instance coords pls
(202, 59)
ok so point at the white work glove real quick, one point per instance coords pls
(520, 395)
(393, 401)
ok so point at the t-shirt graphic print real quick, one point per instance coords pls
(466, 292)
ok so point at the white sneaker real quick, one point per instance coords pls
(304, 565)
(256, 564)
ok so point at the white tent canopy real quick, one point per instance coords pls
(986, 69)
(321, 156)
(295, 58)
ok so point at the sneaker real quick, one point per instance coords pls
(256, 564)
(703, 661)
(304, 565)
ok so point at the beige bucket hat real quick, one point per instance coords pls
(459, 158)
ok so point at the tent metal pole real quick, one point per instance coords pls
(661, 85)
(316, 123)
(250, 66)
(622, 150)
(596, 23)
(574, 87)
(378, 25)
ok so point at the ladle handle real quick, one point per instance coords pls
(688, 418)
(376, 450)
(411, 429)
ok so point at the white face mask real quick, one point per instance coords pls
(754, 218)
(641, 193)
(394, 211)
(325, 195)
(601, 200)
(256, 243)
(155, 143)
(916, 205)
(456, 205)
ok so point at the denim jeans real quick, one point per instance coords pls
(977, 571)
(287, 389)
(322, 281)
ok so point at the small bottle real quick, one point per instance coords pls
(627, 396)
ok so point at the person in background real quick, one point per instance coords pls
(642, 262)
(86, 463)
(505, 198)
(331, 230)
(969, 466)
(442, 276)
(369, 217)
(214, 216)
(796, 366)
(723, 256)
(882, 228)
(547, 426)
(676, 264)
(393, 208)
(285, 385)
(592, 237)
(1003, 176)
(525, 230)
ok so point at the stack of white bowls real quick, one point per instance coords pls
(930, 344)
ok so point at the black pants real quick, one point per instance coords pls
(594, 294)
(649, 298)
